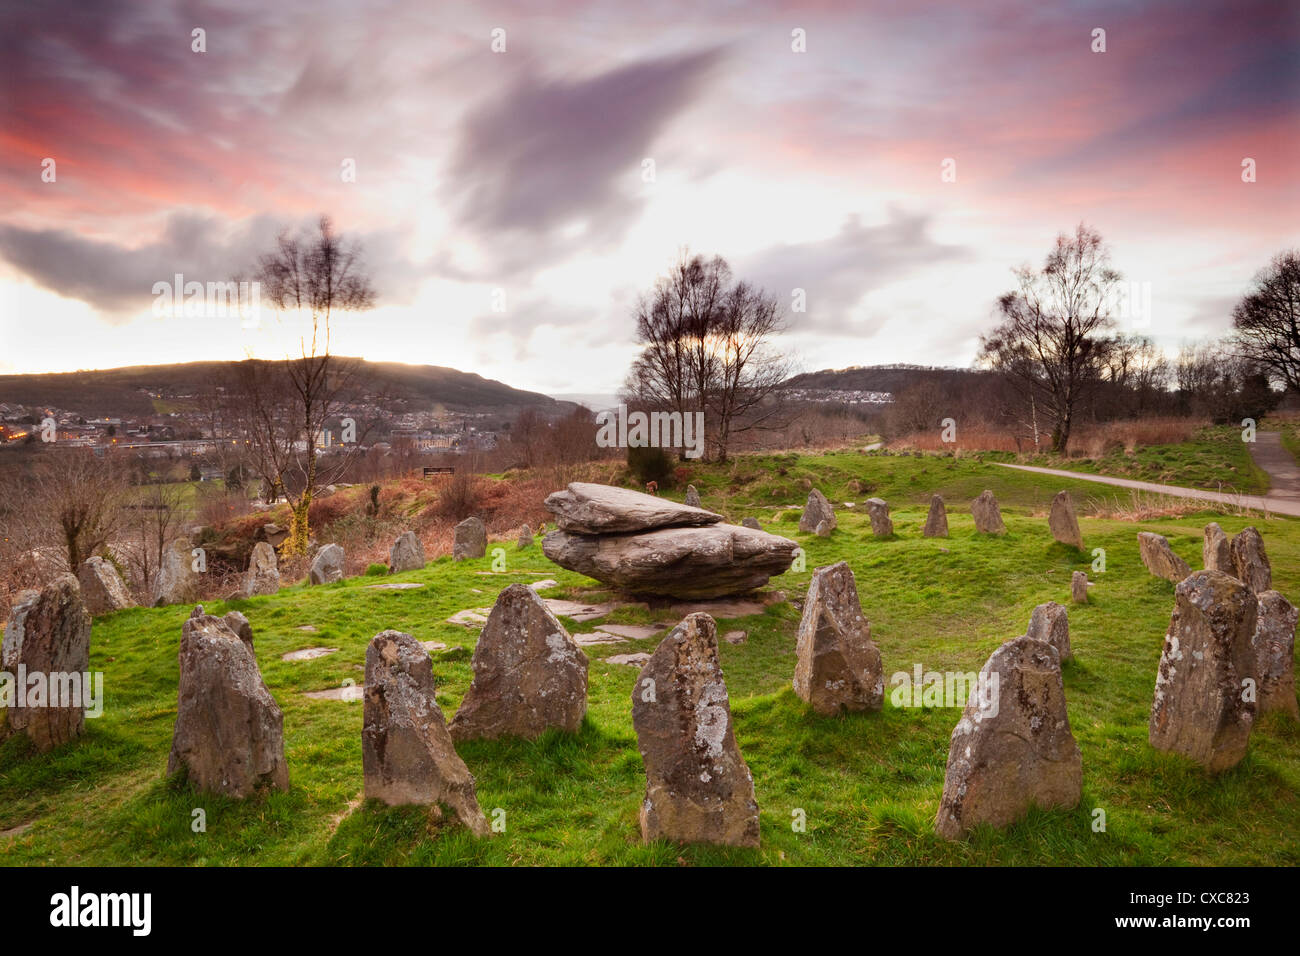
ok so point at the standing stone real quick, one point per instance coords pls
(882, 526)
(229, 735)
(1012, 748)
(263, 575)
(1079, 587)
(177, 581)
(102, 589)
(407, 554)
(1063, 521)
(1250, 561)
(327, 566)
(817, 510)
(528, 673)
(1160, 558)
(1199, 708)
(988, 517)
(48, 634)
(237, 623)
(471, 540)
(692, 499)
(698, 787)
(407, 756)
(837, 666)
(936, 522)
(1216, 552)
(1050, 623)
(525, 539)
(824, 529)
(751, 523)
(1274, 644)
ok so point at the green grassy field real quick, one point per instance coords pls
(869, 783)
(1215, 459)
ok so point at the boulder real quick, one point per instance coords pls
(263, 575)
(1216, 552)
(48, 634)
(987, 514)
(529, 674)
(273, 534)
(102, 588)
(837, 666)
(1274, 644)
(327, 565)
(936, 522)
(471, 540)
(525, 539)
(1013, 749)
(1160, 558)
(177, 581)
(698, 787)
(407, 755)
(1050, 623)
(587, 508)
(692, 499)
(237, 623)
(1250, 561)
(1079, 587)
(691, 562)
(824, 529)
(1063, 521)
(407, 554)
(817, 510)
(229, 734)
(882, 526)
(751, 523)
(1200, 710)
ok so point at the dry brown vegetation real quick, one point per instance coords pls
(1089, 441)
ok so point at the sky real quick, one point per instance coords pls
(523, 171)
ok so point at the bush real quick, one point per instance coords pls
(458, 498)
(376, 570)
(649, 464)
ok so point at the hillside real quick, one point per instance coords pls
(126, 392)
(883, 378)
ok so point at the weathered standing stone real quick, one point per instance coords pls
(698, 787)
(407, 554)
(837, 666)
(987, 514)
(936, 522)
(48, 636)
(525, 539)
(177, 582)
(1079, 587)
(327, 566)
(1274, 644)
(882, 526)
(529, 674)
(263, 575)
(229, 735)
(237, 623)
(1199, 708)
(751, 523)
(1250, 561)
(407, 756)
(1160, 559)
(692, 499)
(1063, 521)
(1216, 552)
(1050, 623)
(1013, 747)
(471, 540)
(102, 589)
(817, 510)
(824, 529)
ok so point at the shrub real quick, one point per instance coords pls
(458, 498)
(376, 570)
(649, 464)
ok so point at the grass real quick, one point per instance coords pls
(869, 783)
(1215, 458)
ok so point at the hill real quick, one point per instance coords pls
(884, 378)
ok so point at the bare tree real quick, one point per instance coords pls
(747, 369)
(288, 405)
(74, 503)
(1051, 339)
(1267, 320)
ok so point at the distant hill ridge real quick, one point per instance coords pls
(883, 378)
(117, 391)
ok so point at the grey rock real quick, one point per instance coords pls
(987, 514)
(588, 508)
(1250, 561)
(1050, 623)
(263, 575)
(471, 540)
(751, 523)
(525, 539)
(102, 588)
(837, 666)
(815, 511)
(177, 581)
(1159, 557)
(1079, 587)
(936, 522)
(407, 554)
(327, 565)
(1063, 522)
(882, 526)
(692, 499)
(1274, 645)
(1216, 552)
